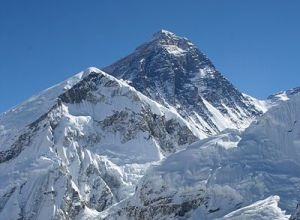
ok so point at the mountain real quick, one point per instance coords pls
(163, 138)
(82, 144)
(174, 72)
(214, 177)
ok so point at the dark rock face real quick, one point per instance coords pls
(296, 215)
(164, 209)
(25, 139)
(82, 90)
(152, 68)
(16, 148)
(170, 134)
(173, 71)
(5, 197)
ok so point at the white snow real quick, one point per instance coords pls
(261, 210)
(77, 142)
(234, 169)
(262, 105)
(218, 118)
(175, 50)
(15, 119)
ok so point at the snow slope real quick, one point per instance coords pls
(261, 210)
(15, 119)
(223, 175)
(85, 152)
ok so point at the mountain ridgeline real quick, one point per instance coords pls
(174, 72)
(159, 134)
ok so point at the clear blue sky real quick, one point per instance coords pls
(254, 43)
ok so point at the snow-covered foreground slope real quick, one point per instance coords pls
(262, 210)
(85, 149)
(223, 175)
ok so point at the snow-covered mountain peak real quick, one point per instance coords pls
(90, 70)
(164, 34)
(80, 147)
(165, 37)
(171, 43)
(174, 72)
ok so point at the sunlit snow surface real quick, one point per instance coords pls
(66, 155)
(94, 147)
(78, 158)
(261, 163)
(262, 210)
(14, 120)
